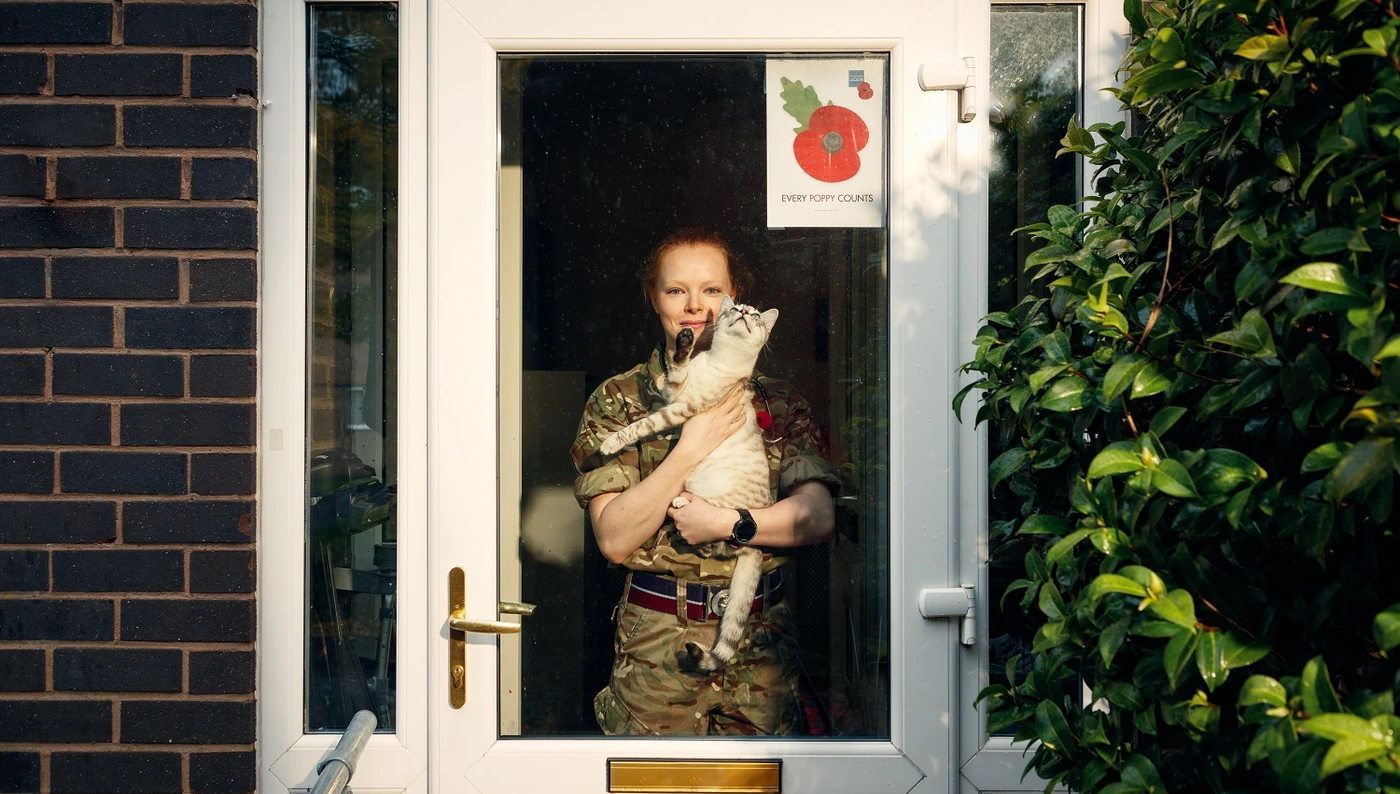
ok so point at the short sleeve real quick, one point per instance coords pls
(604, 414)
(802, 443)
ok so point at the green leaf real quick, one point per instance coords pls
(1149, 381)
(1367, 461)
(1115, 460)
(1325, 456)
(1223, 470)
(1165, 419)
(1171, 478)
(799, 101)
(1040, 524)
(1065, 395)
(1328, 277)
(1302, 769)
(1210, 659)
(1065, 545)
(1390, 349)
(1261, 690)
(1386, 628)
(1167, 47)
(1264, 48)
(1318, 695)
(1006, 464)
(1176, 607)
(1053, 731)
(1042, 376)
(1252, 335)
(1132, 11)
(1327, 241)
(1350, 752)
(1237, 652)
(1337, 727)
(1106, 583)
(1120, 376)
(1139, 772)
(1178, 654)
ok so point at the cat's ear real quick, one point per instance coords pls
(726, 304)
(685, 345)
(770, 319)
(706, 340)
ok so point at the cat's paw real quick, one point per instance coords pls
(610, 445)
(679, 502)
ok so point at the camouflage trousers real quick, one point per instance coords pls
(651, 694)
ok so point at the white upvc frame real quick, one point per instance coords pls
(287, 756)
(995, 763)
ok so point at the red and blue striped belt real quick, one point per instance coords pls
(703, 602)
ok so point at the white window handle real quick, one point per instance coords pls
(953, 75)
(952, 602)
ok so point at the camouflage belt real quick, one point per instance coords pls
(703, 602)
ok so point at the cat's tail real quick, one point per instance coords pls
(743, 587)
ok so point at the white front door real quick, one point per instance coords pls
(506, 77)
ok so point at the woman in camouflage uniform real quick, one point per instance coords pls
(671, 593)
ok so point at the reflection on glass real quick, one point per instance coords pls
(602, 157)
(1036, 89)
(351, 398)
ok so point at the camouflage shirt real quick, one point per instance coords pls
(796, 453)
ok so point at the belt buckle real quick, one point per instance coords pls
(717, 601)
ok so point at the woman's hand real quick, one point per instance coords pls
(703, 433)
(701, 522)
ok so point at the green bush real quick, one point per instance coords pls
(1200, 411)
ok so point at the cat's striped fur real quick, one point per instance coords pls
(702, 372)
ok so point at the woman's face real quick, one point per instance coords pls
(690, 284)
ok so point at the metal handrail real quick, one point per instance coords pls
(335, 770)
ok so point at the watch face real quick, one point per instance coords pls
(745, 528)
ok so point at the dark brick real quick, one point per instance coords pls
(223, 75)
(56, 619)
(213, 672)
(57, 227)
(21, 277)
(112, 570)
(191, 227)
(140, 277)
(55, 326)
(114, 773)
(223, 376)
(187, 722)
(200, 25)
(19, 772)
(220, 279)
(56, 23)
(223, 773)
(156, 376)
(58, 125)
(58, 522)
(55, 423)
(95, 670)
(201, 424)
(185, 328)
(55, 721)
(188, 125)
(222, 178)
(188, 522)
(118, 75)
(222, 572)
(21, 374)
(219, 474)
(23, 73)
(122, 472)
(150, 620)
(20, 671)
(22, 175)
(26, 472)
(118, 177)
(24, 571)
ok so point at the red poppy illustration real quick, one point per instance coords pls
(864, 91)
(828, 148)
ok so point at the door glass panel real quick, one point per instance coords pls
(1036, 88)
(352, 364)
(602, 158)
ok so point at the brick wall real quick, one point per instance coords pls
(128, 228)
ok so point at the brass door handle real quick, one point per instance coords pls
(458, 625)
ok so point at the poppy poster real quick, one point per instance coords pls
(826, 142)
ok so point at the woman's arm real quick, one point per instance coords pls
(622, 522)
(806, 516)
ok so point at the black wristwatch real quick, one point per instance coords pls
(744, 529)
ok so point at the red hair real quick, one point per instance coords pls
(739, 277)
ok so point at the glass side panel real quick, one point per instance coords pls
(352, 364)
(1037, 87)
(601, 158)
